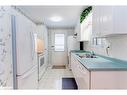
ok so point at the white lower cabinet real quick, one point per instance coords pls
(81, 74)
(83, 77)
(86, 79)
(109, 80)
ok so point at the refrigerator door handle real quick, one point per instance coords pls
(27, 74)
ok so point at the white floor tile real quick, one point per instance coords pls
(52, 79)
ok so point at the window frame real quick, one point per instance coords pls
(56, 50)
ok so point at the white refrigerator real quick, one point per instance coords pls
(23, 53)
(72, 44)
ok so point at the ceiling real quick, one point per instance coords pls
(42, 14)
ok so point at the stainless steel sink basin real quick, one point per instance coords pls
(87, 55)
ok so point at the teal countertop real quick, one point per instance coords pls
(101, 62)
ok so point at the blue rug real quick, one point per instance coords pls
(69, 83)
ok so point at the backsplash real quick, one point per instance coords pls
(118, 47)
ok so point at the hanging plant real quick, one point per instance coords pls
(85, 13)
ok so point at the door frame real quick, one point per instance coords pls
(52, 33)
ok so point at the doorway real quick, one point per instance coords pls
(57, 47)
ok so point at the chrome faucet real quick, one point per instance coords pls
(92, 52)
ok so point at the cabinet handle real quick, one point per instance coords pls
(81, 68)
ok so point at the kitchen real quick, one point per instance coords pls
(54, 47)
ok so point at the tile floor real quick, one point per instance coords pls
(52, 78)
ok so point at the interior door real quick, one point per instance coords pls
(58, 47)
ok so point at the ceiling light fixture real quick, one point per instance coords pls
(56, 18)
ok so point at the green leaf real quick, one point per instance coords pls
(85, 13)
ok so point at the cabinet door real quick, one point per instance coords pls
(102, 21)
(106, 20)
(73, 65)
(77, 73)
(109, 20)
(120, 19)
(83, 77)
(96, 21)
(80, 73)
(86, 28)
(109, 80)
(75, 70)
(77, 30)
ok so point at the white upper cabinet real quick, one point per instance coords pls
(84, 29)
(95, 21)
(106, 20)
(78, 31)
(120, 19)
(109, 20)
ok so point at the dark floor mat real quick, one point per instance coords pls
(69, 83)
(58, 67)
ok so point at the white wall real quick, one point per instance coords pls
(43, 34)
(118, 47)
(5, 48)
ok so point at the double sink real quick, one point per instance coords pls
(87, 55)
